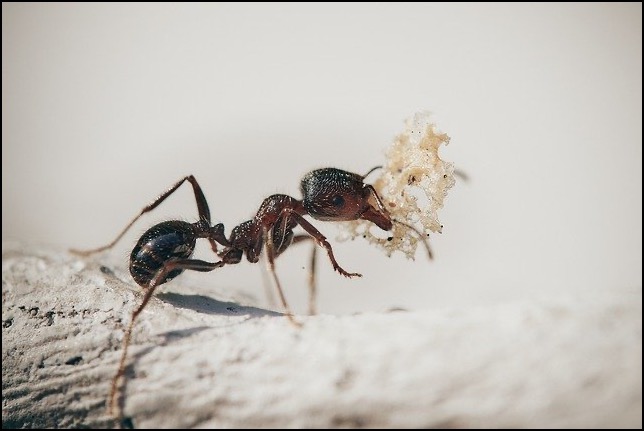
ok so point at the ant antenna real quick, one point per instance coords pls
(422, 237)
(462, 175)
(371, 170)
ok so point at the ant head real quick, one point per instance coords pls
(335, 195)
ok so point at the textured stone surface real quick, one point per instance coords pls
(199, 361)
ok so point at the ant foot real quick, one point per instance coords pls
(348, 274)
(292, 320)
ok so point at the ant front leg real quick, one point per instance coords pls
(157, 280)
(202, 207)
(319, 238)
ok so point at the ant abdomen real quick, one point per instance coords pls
(159, 244)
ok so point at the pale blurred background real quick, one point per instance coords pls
(105, 106)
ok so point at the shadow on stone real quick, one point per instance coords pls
(207, 305)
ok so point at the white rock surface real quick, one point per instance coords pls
(199, 362)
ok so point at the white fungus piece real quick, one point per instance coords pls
(412, 185)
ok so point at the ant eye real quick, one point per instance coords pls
(337, 201)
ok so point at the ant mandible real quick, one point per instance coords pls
(165, 250)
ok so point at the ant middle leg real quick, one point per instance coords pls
(312, 278)
(157, 280)
(270, 261)
(202, 207)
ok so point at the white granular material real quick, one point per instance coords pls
(413, 185)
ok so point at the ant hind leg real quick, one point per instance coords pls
(202, 207)
(114, 408)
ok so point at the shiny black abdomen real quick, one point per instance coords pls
(160, 243)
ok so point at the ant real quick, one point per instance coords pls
(165, 250)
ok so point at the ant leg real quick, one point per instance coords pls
(320, 239)
(422, 238)
(267, 284)
(270, 260)
(461, 174)
(202, 207)
(312, 283)
(193, 264)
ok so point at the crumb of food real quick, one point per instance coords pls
(412, 185)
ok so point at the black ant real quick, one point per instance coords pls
(164, 251)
